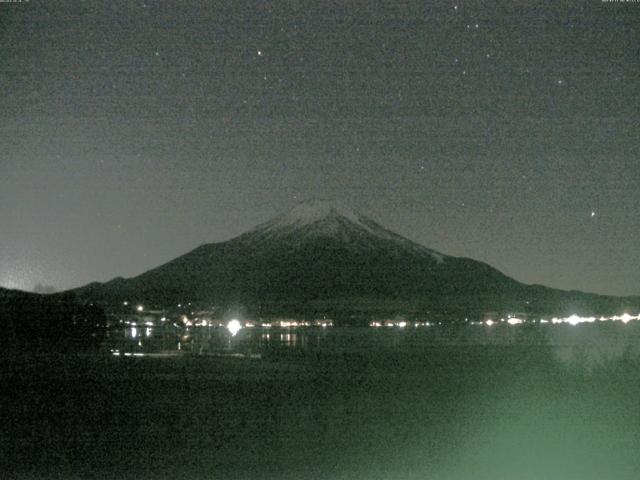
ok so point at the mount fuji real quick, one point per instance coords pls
(323, 258)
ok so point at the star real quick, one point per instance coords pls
(260, 53)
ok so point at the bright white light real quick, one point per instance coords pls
(140, 308)
(125, 303)
(488, 323)
(626, 317)
(574, 320)
(514, 321)
(234, 327)
(402, 324)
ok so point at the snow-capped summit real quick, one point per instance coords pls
(315, 210)
(314, 219)
(319, 216)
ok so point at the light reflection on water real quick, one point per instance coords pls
(213, 339)
(587, 343)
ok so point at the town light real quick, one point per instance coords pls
(234, 327)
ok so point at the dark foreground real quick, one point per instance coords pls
(451, 413)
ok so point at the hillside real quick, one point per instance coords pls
(324, 258)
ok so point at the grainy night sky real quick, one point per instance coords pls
(131, 131)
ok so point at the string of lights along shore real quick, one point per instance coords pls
(134, 131)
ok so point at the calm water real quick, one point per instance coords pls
(557, 403)
(587, 344)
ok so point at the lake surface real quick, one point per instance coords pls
(443, 404)
(586, 344)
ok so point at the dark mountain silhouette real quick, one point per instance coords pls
(324, 258)
(56, 322)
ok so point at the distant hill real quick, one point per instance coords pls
(323, 258)
(56, 322)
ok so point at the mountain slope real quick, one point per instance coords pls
(324, 258)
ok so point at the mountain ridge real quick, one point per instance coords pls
(322, 257)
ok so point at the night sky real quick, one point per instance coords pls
(132, 132)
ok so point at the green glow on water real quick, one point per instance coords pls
(454, 413)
